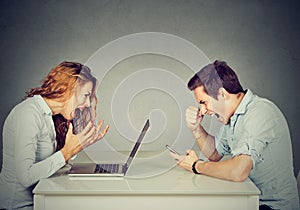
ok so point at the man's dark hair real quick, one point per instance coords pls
(215, 76)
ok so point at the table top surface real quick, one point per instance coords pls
(152, 177)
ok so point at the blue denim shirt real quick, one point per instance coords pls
(259, 129)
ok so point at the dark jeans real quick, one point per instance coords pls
(264, 207)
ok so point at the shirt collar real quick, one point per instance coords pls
(242, 108)
(42, 104)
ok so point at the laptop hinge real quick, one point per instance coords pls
(125, 167)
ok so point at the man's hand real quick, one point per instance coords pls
(193, 118)
(186, 161)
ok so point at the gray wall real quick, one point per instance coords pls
(259, 39)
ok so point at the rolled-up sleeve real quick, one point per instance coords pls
(256, 135)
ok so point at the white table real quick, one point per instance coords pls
(173, 189)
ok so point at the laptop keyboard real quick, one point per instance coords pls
(107, 168)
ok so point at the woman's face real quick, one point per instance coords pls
(80, 99)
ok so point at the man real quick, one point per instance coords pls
(255, 134)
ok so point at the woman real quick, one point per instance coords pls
(30, 149)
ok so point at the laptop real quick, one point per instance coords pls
(108, 169)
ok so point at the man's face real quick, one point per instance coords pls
(211, 106)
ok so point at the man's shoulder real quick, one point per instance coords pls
(264, 106)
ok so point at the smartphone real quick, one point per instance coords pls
(172, 150)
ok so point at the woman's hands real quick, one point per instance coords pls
(88, 136)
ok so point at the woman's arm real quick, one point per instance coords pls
(27, 125)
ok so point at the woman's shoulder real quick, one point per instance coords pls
(27, 104)
(27, 108)
(27, 115)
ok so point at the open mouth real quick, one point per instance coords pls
(76, 112)
(81, 118)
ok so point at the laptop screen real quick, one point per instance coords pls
(138, 143)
